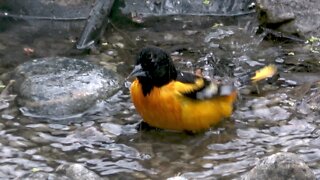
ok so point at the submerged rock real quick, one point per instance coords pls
(78, 171)
(44, 175)
(60, 87)
(294, 17)
(66, 172)
(281, 166)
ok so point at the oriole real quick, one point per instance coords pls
(169, 99)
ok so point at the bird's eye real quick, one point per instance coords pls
(153, 59)
(149, 57)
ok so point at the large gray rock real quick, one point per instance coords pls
(60, 87)
(280, 166)
(294, 17)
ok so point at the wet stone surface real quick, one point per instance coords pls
(281, 166)
(59, 88)
(293, 17)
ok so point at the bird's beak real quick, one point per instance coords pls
(137, 71)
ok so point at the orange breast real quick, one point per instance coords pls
(167, 108)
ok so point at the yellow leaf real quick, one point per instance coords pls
(35, 170)
(313, 39)
(217, 25)
(206, 2)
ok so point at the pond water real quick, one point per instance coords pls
(283, 117)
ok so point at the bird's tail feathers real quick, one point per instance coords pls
(258, 75)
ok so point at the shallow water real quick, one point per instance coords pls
(282, 118)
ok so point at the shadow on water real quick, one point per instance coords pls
(108, 142)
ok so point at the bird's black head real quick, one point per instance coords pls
(154, 67)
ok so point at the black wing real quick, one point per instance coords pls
(201, 88)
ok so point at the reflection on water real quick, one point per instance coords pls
(108, 142)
